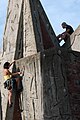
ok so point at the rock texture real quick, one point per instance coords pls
(51, 79)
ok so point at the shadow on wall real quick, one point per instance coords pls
(0, 107)
(17, 105)
(20, 87)
(15, 111)
(61, 85)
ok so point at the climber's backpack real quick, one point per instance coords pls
(10, 84)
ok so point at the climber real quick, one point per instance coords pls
(65, 35)
(8, 80)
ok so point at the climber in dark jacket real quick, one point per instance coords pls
(65, 35)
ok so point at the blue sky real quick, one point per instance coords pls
(3, 7)
(57, 11)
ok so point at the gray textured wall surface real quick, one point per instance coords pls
(48, 75)
(32, 97)
(50, 85)
(55, 89)
(45, 94)
(75, 40)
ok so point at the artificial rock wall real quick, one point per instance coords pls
(72, 43)
(51, 84)
(32, 95)
(11, 28)
(50, 88)
(22, 37)
(75, 40)
(45, 94)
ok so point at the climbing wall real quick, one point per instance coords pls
(72, 63)
(9, 45)
(75, 40)
(17, 110)
(51, 85)
(51, 74)
(45, 94)
(24, 36)
(31, 101)
(11, 28)
(38, 33)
